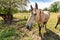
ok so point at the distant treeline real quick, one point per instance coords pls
(24, 11)
(54, 7)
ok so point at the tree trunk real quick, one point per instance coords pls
(10, 18)
(7, 18)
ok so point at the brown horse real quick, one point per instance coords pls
(39, 16)
(58, 22)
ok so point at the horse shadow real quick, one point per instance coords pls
(50, 35)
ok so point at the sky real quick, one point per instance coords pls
(41, 3)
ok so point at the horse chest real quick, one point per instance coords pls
(40, 19)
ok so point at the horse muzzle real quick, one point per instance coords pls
(28, 26)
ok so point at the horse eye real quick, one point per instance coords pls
(35, 14)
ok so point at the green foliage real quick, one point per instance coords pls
(53, 7)
(7, 33)
(46, 9)
(9, 6)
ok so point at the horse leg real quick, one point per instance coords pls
(45, 25)
(39, 30)
(56, 24)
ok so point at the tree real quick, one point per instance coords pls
(45, 9)
(58, 6)
(10, 6)
(5, 5)
(53, 7)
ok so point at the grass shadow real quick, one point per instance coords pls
(50, 35)
(17, 20)
(14, 21)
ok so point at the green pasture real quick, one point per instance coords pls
(17, 30)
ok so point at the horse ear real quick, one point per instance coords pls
(31, 7)
(36, 6)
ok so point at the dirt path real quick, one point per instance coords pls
(31, 35)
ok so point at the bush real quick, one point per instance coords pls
(7, 34)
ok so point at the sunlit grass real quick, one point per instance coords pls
(8, 33)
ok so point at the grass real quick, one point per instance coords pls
(17, 30)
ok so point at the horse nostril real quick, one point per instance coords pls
(35, 14)
(28, 27)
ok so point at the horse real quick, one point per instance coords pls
(58, 21)
(39, 16)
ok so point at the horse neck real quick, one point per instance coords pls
(40, 17)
